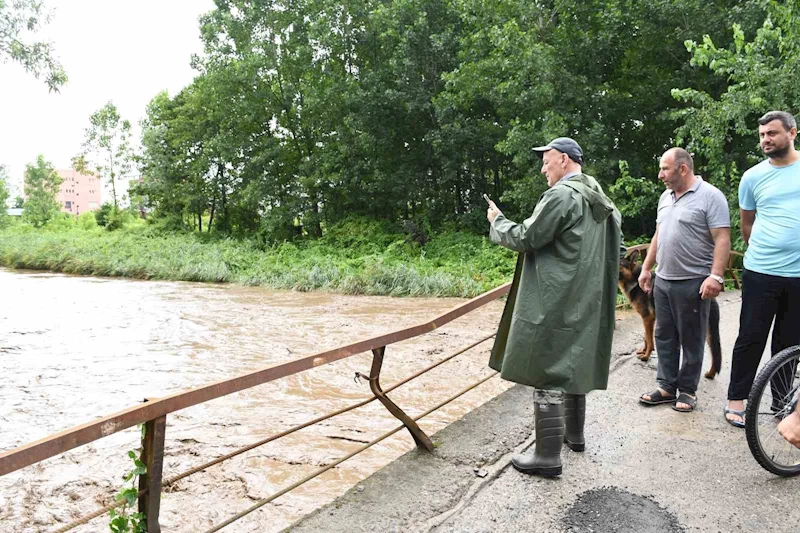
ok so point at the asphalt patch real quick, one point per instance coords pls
(613, 510)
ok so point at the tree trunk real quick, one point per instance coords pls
(211, 218)
(223, 201)
(315, 230)
(224, 206)
(113, 179)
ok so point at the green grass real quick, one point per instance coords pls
(357, 257)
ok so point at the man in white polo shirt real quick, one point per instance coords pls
(691, 245)
(769, 204)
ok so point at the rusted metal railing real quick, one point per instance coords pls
(153, 414)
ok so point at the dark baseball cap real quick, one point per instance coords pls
(565, 145)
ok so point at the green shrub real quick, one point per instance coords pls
(60, 222)
(102, 214)
(87, 221)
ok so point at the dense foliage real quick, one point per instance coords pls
(307, 112)
(761, 72)
(41, 187)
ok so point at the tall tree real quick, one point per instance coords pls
(760, 74)
(41, 189)
(19, 21)
(194, 145)
(162, 176)
(106, 151)
(286, 75)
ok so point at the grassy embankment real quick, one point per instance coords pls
(354, 258)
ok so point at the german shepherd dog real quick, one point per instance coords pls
(643, 303)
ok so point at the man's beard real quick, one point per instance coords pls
(778, 153)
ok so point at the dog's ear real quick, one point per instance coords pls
(634, 257)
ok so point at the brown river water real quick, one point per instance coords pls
(73, 349)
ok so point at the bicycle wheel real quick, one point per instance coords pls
(773, 396)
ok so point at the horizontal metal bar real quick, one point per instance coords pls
(53, 445)
(337, 462)
(167, 482)
(209, 464)
(200, 468)
(89, 517)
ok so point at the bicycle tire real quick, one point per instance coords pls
(753, 428)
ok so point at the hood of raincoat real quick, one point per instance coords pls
(602, 207)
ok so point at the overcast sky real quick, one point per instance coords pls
(125, 52)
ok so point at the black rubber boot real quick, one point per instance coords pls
(546, 459)
(574, 418)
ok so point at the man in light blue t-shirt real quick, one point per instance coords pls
(769, 203)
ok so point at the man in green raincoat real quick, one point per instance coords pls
(556, 330)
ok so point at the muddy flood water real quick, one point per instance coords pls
(73, 349)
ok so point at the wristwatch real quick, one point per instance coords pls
(720, 279)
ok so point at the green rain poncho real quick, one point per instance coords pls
(558, 323)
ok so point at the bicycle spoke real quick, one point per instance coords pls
(788, 452)
(777, 448)
(771, 400)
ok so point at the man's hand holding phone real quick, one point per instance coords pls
(493, 211)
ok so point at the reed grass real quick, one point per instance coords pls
(353, 258)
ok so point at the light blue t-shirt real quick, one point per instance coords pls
(774, 194)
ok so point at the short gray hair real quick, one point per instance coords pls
(786, 119)
(682, 157)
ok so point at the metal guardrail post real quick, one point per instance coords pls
(153, 458)
(420, 437)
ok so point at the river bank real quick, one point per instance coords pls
(357, 257)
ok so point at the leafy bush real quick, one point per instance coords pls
(60, 222)
(119, 218)
(87, 221)
(102, 214)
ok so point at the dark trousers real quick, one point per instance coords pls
(681, 326)
(764, 298)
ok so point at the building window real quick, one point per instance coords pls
(68, 205)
